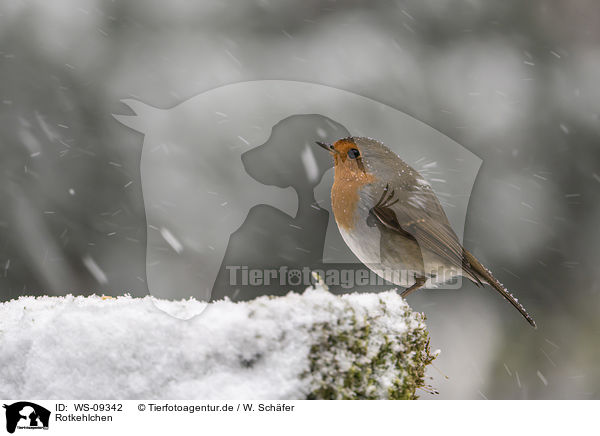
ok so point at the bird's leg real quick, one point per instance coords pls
(419, 281)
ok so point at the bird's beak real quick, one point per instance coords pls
(327, 147)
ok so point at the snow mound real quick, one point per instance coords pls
(314, 345)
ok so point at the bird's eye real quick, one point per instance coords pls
(353, 153)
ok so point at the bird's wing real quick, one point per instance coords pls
(419, 214)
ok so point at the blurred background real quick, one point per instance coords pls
(513, 82)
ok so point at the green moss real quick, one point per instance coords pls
(364, 358)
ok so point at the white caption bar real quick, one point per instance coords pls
(297, 417)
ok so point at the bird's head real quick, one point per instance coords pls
(347, 157)
(357, 157)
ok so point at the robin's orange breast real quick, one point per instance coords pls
(345, 197)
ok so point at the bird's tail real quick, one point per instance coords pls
(474, 266)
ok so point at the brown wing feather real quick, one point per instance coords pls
(433, 238)
(433, 234)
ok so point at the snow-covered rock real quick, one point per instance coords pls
(314, 345)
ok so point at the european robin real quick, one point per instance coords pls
(392, 220)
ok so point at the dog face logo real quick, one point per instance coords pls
(232, 177)
(26, 415)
